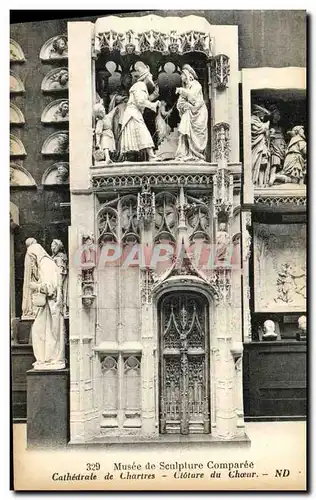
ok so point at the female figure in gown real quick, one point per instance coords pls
(193, 113)
(43, 279)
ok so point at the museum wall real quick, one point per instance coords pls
(265, 39)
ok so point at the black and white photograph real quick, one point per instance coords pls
(158, 247)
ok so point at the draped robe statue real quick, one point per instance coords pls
(43, 280)
(59, 256)
(193, 114)
(260, 146)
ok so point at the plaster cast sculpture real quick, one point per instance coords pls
(135, 136)
(56, 144)
(56, 112)
(57, 174)
(260, 146)
(277, 144)
(16, 53)
(302, 327)
(269, 330)
(19, 176)
(60, 258)
(294, 168)
(16, 146)
(54, 48)
(42, 288)
(16, 84)
(193, 115)
(16, 115)
(222, 243)
(56, 80)
(104, 136)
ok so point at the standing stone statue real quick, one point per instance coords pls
(294, 168)
(135, 136)
(222, 243)
(42, 279)
(277, 144)
(193, 114)
(260, 146)
(59, 256)
(104, 136)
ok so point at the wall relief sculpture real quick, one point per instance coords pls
(42, 289)
(16, 53)
(16, 147)
(19, 176)
(56, 80)
(16, 115)
(56, 144)
(16, 84)
(57, 174)
(278, 156)
(55, 48)
(280, 267)
(56, 112)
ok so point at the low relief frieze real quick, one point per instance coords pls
(56, 48)
(56, 144)
(19, 176)
(17, 148)
(16, 115)
(16, 52)
(55, 80)
(56, 112)
(57, 174)
(16, 84)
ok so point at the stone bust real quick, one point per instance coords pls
(302, 328)
(269, 330)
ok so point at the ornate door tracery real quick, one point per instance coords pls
(184, 381)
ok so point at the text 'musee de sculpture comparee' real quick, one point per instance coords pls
(43, 280)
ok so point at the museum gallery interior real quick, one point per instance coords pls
(158, 170)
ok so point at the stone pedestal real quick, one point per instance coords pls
(47, 408)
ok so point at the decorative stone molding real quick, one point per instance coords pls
(19, 176)
(129, 37)
(16, 53)
(221, 282)
(223, 182)
(280, 200)
(133, 180)
(57, 174)
(221, 71)
(16, 115)
(56, 144)
(56, 112)
(145, 205)
(56, 48)
(16, 84)
(16, 147)
(88, 263)
(222, 145)
(147, 284)
(55, 80)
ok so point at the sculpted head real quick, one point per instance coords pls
(302, 323)
(56, 246)
(60, 45)
(30, 241)
(269, 326)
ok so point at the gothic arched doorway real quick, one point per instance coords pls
(184, 363)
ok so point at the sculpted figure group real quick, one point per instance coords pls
(123, 131)
(274, 160)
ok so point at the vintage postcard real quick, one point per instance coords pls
(158, 177)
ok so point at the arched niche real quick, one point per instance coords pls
(56, 80)
(16, 84)
(16, 53)
(56, 48)
(16, 146)
(56, 175)
(16, 115)
(56, 144)
(56, 112)
(20, 177)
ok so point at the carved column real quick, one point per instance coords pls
(246, 251)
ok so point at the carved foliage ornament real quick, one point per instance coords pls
(16, 53)
(56, 144)
(99, 182)
(223, 183)
(16, 84)
(280, 200)
(16, 115)
(129, 42)
(145, 205)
